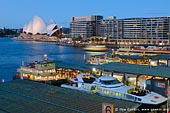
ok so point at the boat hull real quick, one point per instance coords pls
(111, 96)
(95, 48)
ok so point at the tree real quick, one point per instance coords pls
(92, 39)
(106, 40)
(97, 40)
(80, 38)
(101, 40)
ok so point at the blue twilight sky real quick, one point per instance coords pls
(17, 13)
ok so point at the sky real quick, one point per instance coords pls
(17, 13)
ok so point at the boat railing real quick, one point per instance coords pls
(111, 93)
(138, 92)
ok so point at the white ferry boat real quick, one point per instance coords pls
(111, 87)
(144, 49)
(100, 59)
(38, 70)
(95, 48)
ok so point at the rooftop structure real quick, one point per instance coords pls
(161, 71)
(22, 96)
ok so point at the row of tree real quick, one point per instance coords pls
(94, 40)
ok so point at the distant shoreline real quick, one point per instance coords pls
(34, 40)
(62, 43)
(5, 37)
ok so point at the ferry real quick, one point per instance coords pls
(101, 59)
(111, 87)
(38, 70)
(144, 49)
(95, 48)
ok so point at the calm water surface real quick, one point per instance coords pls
(13, 52)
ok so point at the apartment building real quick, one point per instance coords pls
(153, 30)
(146, 30)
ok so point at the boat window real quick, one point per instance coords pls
(148, 92)
(88, 79)
(110, 82)
(130, 97)
(113, 93)
(139, 99)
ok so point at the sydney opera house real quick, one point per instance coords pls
(38, 30)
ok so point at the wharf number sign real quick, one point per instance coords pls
(107, 108)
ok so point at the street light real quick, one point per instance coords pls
(94, 69)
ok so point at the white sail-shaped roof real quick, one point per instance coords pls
(51, 27)
(29, 27)
(25, 27)
(52, 21)
(52, 32)
(38, 26)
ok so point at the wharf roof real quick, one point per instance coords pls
(136, 57)
(145, 45)
(160, 56)
(161, 71)
(23, 96)
(72, 65)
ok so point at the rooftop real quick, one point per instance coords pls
(23, 96)
(137, 57)
(161, 71)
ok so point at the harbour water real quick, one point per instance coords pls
(13, 52)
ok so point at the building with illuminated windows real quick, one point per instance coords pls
(154, 30)
(85, 26)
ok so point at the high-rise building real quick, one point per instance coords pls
(85, 26)
(111, 28)
(148, 30)
(153, 30)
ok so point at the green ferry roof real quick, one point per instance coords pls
(23, 96)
